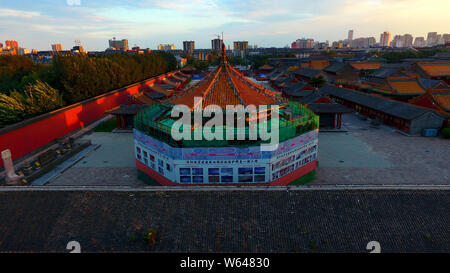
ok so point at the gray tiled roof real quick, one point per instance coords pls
(329, 108)
(295, 89)
(394, 108)
(427, 83)
(384, 72)
(307, 72)
(335, 67)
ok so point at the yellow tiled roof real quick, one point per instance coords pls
(436, 68)
(366, 66)
(406, 85)
(441, 97)
(319, 64)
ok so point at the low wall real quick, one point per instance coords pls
(29, 135)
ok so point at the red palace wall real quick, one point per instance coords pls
(27, 136)
(285, 180)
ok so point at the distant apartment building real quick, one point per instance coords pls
(78, 49)
(118, 44)
(240, 48)
(338, 44)
(419, 42)
(397, 41)
(446, 38)
(188, 47)
(201, 55)
(294, 45)
(11, 44)
(216, 44)
(240, 45)
(407, 40)
(305, 43)
(432, 38)
(57, 47)
(385, 39)
(350, 35)
(23, 51)
(166, 47)
(365, 42)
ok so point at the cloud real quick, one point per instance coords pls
(262, 22)
(18, 13)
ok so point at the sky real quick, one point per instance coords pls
(266, 23)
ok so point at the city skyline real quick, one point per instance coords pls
(38, 25)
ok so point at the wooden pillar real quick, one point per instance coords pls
(339, 121)
(334, 121)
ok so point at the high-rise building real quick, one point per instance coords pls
(119, 44)
(407, 40)
(23, 51)
(240, 45)
(189, 47)
(166, 47)
(432, 38)
(240, 48)
(305, 43)
(363, 42)
(446, 38)
(419, 42)
(385, 39)
(397, 41)
(11, 44)
(57, 47)
(216, 44)
(350, 35)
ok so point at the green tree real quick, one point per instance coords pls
(318, 82)
(36, 99)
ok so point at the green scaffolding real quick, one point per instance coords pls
(156, 122)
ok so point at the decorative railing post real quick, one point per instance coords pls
(11, 177)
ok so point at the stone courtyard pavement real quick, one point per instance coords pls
(366, 155)
(232, 221)
(361, 156)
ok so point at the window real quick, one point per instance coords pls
(168, 167)
(152, 158)
(185, 179)
(161, 170)
(145, 154)
(260, 178)
(197, 171)
(152, 165)
(246, 178)
(226, 179)
(185, 171)
(245, 171)
(226, 171)
(146, 161)
(213, 171)
(198, 179)
(213, 179)
(260, 170)
(138, 150)
(160, 163)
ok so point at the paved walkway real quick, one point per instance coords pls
(385, 157)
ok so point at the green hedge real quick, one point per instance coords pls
(446, 132)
